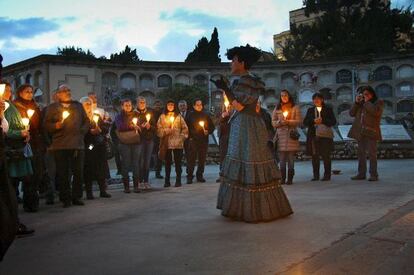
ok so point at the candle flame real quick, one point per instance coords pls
(285, 114)
(172, 119)
(201, 123)
(2, 89)
(65, 114)
(135, 121)
(319, 109)
(96, 118)
(25, 121)
(30, 113)
(6, 105)
(148, 117)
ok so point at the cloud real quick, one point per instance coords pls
(26, 28)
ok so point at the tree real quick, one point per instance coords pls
(77, 52)
(206, 51)
(127, 56)
(348, 27)
(185, 92)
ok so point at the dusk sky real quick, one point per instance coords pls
(160, 30)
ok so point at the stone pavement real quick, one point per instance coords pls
(342, 227)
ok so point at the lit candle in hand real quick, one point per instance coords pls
(285, 114)
(226, 102)
(135, 122)
(172, 118)
(201, 123)
(148, 117)
(95, 118)
(30, 113)
(319, 111)
(65, 115)
(26, 122)
(2, 89)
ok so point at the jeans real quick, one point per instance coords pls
(369, 145)
(146, 148)
(197, 150)
(51, 171)
(287, 157)
(69, 160)
(130, 156)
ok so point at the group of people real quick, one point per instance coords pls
(66, 145)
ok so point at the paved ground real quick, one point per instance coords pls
(179, 231)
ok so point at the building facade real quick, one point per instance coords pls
(338, 80)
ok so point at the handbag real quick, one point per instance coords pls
(128, 137)
(324, 131)
(294, 134)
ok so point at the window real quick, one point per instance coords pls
(164, 81)
(384, 90)
(405, 89)
(383, 73)
(146, 81)
(344, 76)
(128, 81)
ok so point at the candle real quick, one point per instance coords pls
(285, 114)
(135, 121)
(30, 113)
(148, 117)
(26, 122)
(172, 118)
(202, 124)
(2, 89)
(226, 102)
(6, 105)
(319, 111)
(65, 115)
(95, 118)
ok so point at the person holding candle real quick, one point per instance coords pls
(128, 132)
(30, 110)
(367, 111)
(157, 110)
(223, 132)
(67, 143)
(285, 119)
(96, 164)
(319, 139)
(19, 154)
(249, 189)
(172, 130)
(184, 112)
(148, 132)
(200, 126)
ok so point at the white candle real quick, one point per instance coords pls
(6, 105)
(2, 89)
(148, 117)
(26, 122)
(319, 111)
(96, 118)
(201, 123)
(65, 115)
(135, 122)
(285, 114)
(30, 113)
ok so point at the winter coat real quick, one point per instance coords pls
(366, 115)
(284, 142)
(179, 130)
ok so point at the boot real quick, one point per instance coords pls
(158, 175)
(189, 179)
(178, 181)
(88, 189)
(126, 185)
(291, 173)
(136, 186)
(102, 189)
(283, 174)
(167, 182)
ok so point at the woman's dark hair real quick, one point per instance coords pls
(291, 99)
(371, 91)
(318, 95)
(125, 99)
(165, 111)
(247, 54)
(22, 88)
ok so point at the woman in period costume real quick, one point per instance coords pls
(250, 190)
(96, 164)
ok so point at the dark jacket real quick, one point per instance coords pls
(8, 204)
(148, 134)
(123, 121)
(367, 115)
(71, 135)
(195, 130)
(328, 119)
